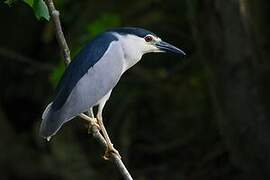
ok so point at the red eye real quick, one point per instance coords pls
(148, 38)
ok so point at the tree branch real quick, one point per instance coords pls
(59, 33)
(66, 52)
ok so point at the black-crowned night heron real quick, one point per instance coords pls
(90, 78)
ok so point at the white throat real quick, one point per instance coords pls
(133, 47)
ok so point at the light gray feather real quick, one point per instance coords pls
(95, 84)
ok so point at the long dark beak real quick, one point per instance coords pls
(166, 47)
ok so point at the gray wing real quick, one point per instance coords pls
(96, 83)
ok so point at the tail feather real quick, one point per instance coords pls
(50, 123)
(45, 113)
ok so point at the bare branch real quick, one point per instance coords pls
(95, 131)
(115, 158)
(59, 33)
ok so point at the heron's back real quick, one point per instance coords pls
(91, 87)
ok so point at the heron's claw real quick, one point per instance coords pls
(109, 151)
(93, 123)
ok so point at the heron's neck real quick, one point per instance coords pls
(131, 49)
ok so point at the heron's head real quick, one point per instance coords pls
(145, 41)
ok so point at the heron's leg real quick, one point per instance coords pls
(110, 149)
(91, 115)
(92, 121)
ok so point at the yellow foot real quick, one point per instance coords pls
(93, 123)
(109, 151)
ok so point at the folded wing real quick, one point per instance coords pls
(93, 73)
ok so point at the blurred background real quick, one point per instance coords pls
(204, 116)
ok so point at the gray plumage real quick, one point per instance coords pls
(87, 92)
(90, 78)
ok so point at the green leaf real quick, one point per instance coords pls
(40, 9)
(29, 2)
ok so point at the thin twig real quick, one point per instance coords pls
(59, 32)
(95, 131)
(115, 158)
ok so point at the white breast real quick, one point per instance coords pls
(133, 49)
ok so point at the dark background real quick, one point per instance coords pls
(201, 117)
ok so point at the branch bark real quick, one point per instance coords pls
(59, 32)
(66, 52)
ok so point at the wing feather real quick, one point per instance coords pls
(72, 99)
(86, 59)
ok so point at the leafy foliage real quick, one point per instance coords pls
(29, 2)
(39, 7)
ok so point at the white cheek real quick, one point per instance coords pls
(157, 49)
(151, 48)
